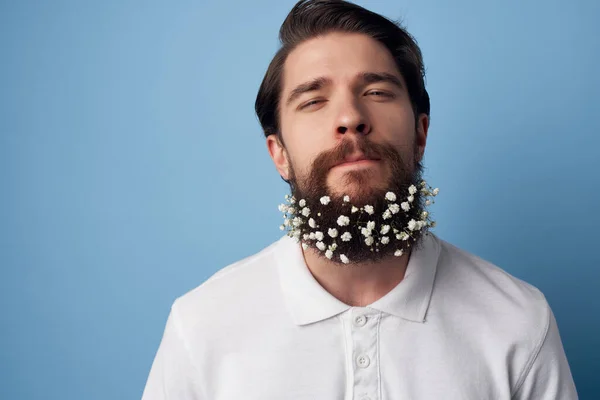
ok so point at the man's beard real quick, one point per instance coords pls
(402, 176)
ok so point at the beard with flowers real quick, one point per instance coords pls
(367, 225)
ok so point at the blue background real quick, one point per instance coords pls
(132, 167)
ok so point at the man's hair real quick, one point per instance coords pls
(312, 18)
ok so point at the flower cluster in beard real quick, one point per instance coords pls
(374, 231)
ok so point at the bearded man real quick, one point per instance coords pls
(359, 300)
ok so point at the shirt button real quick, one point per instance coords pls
(363, 361)
(360, 320)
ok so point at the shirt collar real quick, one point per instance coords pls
(309, 302)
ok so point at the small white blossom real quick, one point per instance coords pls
(398, 253)
(297, 221)
(333, 246)
(306, 211)
(319, 235)
(291, 210)
(411, 198)
(329, 254)
(346, 237)
(312, 223)
(283, 208)
(385, 240)
(282, 227)
(412, 224)
(292, 200)
(412, 189)
(420, 224)
(321, 246)
(332, 232)
(343, 220)
(436, 191)
(427, 202)
(302, 203)
(286, 222)
(325, 200)
(353, 210)
(394, 208)
(311, 236)
(346, 198)
(369, 240)
(365, 232)
(387, 214)
(369, 209)
(344, 259)
(404, 236)
(405, 206)
(304, 246)
(424, 214)
(385, 229)
(390, 196)
(371, 225)
(306, 236)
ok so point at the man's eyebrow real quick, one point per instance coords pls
(305, 87)
(375, 77)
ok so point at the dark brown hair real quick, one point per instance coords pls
(311, 18)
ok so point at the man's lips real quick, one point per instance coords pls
(357, 160)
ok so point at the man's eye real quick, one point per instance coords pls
(379, 93)
(310, 103)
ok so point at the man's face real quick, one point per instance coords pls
(338, 91)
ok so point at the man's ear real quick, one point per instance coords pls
(422, 129)
(278, 155)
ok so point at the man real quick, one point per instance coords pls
(359, 300)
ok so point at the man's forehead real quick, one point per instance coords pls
(337, 56)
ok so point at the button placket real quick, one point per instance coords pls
(364, 333)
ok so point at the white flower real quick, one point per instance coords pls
(387, 214)
(286, 222)
(420, 225)
(411, 198)
(385, 229)
(321, 246)
(412, 189)
(344, 259)
(369, 209)
(385, 240)
(306, 211)
(333, 246)
(404, 236)
(398, 253)
(354, 209)
(302, 203)
(371, 225)
(325, 200)
(282, 227)
(312, 223)
(369, 240)
(390, 196)
(346, 198)
(304, 246)
(311, 236)
(329, 254)
(427, 202)
(343, 220)
(282, 207)
(365, 232)
(332, 232)
(424, 214)
(291, 210)
(319, 235)
(346, 237)
(405, 206)
(436, 191)
(394, 208)
(412, 224)
(306, 236)
(292, 200)
(297, 221)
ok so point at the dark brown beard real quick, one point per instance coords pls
(312, 188)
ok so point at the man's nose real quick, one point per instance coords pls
(351, 119)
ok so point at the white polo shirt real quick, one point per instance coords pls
(455, 328)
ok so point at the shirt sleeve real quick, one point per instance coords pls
(548, 376)
(172, 375)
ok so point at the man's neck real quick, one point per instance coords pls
(357, 285)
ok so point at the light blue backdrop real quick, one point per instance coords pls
(132, 167)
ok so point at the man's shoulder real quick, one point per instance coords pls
(233, 284)
(482, 290)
